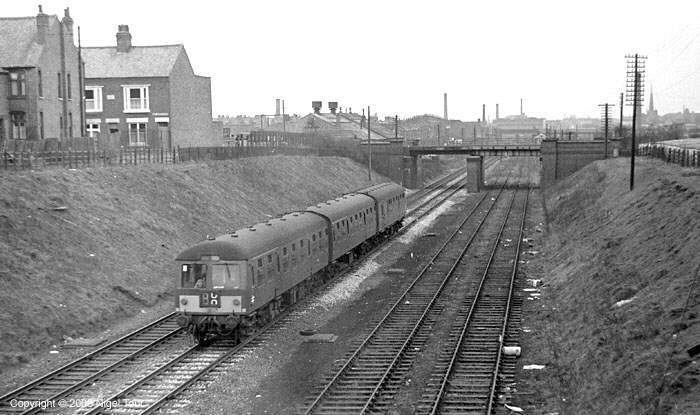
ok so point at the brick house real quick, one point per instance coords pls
(140, 96)
(39, 78)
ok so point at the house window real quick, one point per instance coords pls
(68, 88)
(136, 98)
(19, 128)
(70, 124)
(41, 124)
(60, 90)
(93, 99)
(18, 85)
(137, 134)
(41, 84)
(93, 129)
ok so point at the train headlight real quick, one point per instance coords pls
(183, 301)
(252, 299)
(236, 302)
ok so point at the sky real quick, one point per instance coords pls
(561, 57)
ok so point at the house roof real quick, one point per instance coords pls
(18, 46)
(139, 61)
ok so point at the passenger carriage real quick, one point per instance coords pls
(241, 280)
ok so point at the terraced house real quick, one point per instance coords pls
(39, 78)
(146, 96)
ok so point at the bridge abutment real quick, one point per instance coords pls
(412, 172)
(475, 173)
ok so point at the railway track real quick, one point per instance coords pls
(368, 378)
(446, 181)
(466, 378)
(74, 376)
(131, 358)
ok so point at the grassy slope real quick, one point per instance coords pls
(608, 244)
(110, 253)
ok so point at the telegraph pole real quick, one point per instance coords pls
(369, 146)
(635, 85)
(606, 121)
(622, 105)
(284, 124)
(81, 85)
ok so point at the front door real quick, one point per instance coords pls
(164, 135)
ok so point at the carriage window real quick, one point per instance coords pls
(313, 238)
(269, 259)
(260, 262)
(194, 275)
(301, 243)
(284, 251)
(294, 247)
(227, 276)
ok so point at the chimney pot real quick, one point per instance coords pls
(333, 106)
(123, 38)
(67, 21)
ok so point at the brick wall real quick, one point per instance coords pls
(113, 109)
(49, 103)
(560, 158)
(190, 103)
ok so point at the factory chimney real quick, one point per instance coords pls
(521, 107)
(316, 105)
(496, 111)
(277, 107)
(445, 97)
(483, 113)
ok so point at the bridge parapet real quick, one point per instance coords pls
(477, 150)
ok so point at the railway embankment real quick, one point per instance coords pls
(616, 328)
(82, 250)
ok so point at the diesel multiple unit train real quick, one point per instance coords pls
(234, 283)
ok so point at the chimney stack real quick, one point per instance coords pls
(333, 106)
(521, 106)
(123, 38)
(277, 106)
(316, 105)
(445, 96)
(42, 26)
(496, 111)
(483, 112)
(67, 22)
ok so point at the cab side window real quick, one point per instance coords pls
(194, 276)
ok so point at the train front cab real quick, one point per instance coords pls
(212, 295)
